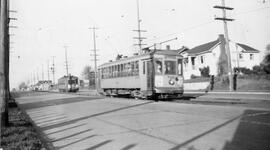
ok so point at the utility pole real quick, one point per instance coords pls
(4, 64)
(227, 46)
(139, 38)
(48, 70)
(42, 73)
(95, 53)
(37, 76)
(66, 62)
(34, 78)
(53, 70)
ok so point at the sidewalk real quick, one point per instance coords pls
(229, 96)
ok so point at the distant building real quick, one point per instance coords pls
(208, 55)
(45, 85)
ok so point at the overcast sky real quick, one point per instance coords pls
(45, 26)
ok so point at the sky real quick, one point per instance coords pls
(44, 27)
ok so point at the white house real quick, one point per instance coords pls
(208, 54)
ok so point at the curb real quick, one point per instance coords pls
(228, 92)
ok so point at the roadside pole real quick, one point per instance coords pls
(227, 46)
(95, 55)
(4, 53)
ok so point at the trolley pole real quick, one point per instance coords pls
(227, 46)
(66, 62)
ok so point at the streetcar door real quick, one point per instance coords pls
(143, 77)
(146, 75)
(149, 75)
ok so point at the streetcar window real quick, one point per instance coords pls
(144, 67)
(125, 70)
(118, 70)
(110, 71)
(136, 67)
(158, 66)
(170, 67)
(105, 73)
(122, 69)
(72, 81)
(180, 67)
(128, 69)
(101, 73)
(114, 70)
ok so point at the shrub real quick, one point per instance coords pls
(193, 76)
(256, 70)
(205, 71)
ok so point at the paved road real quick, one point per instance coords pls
(83, 122)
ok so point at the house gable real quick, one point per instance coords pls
(247, 49)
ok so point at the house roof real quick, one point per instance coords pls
(248, 49)
(207, 47)
(203, 48)
(182, 49)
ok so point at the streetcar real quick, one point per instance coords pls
(152, 75)
(68, 83)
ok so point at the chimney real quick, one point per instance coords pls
(168, 47)
(221, 38)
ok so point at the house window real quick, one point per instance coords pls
(202, 59)
(251, 56)
(185, 62)
(193, 62)
(240, 56)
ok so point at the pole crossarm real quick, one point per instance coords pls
(224, 19)
(223, 7)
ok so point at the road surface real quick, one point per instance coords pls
(70, 121)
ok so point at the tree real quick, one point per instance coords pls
(88, 74)
(22, 86)
(204, 71)
(266, 61)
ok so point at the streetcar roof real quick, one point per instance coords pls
(168, 52)
(143, 56)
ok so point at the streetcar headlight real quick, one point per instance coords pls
(171, 82)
